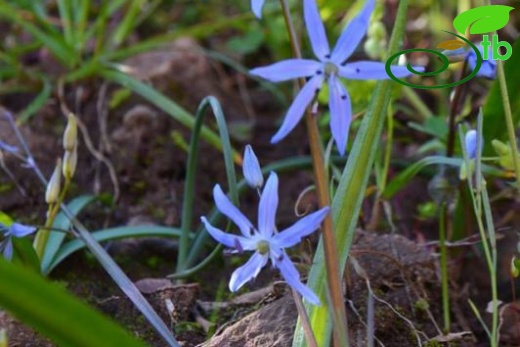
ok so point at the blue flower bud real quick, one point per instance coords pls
(471, 144)
(251, 169)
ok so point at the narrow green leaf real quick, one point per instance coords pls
(54, 43)
(398, 182)
(66, 20)
(112, 234)
(189, 190)
(37, 103)
(128, 23)
(121, 279)
(55, 313)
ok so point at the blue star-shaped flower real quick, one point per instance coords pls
(266, 242)
(15, 230)
(328, 68)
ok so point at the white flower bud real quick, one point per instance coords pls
(251, 169)
(70, 160)
(70, 135)
(54, 186)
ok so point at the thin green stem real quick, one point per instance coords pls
(191, 271)
(494, 286)
(444, 268)
(509, 120)
(42, 237)
(337, 306)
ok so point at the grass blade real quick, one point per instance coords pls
(34, 301)
(189, 190)
(37, 103)
(53, 42)
(398, 182)
(113, 234)
(121, 279)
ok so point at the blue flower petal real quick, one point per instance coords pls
(488, 67)
(371, 70)
(228, 240)
(226, 207)
(268, 206)
(248, 271)
(300, 103)
(292, 277)
(288, 69)
(352, 34)
(302, 228)
(256, 7)
(20, 230)
(316, 30)
(251, 169)
(340, 113)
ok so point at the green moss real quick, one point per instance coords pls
(421, 305)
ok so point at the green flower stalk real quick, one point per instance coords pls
(54, 186)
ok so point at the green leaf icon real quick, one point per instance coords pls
(483, 19)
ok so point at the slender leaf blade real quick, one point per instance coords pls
(55, 313)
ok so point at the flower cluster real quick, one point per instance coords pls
(264, 240)
(329, 66)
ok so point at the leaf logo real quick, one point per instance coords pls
(483, 19)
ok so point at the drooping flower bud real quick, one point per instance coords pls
(251, 169)
(70, 135)
(70, 160)
(54, 186)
